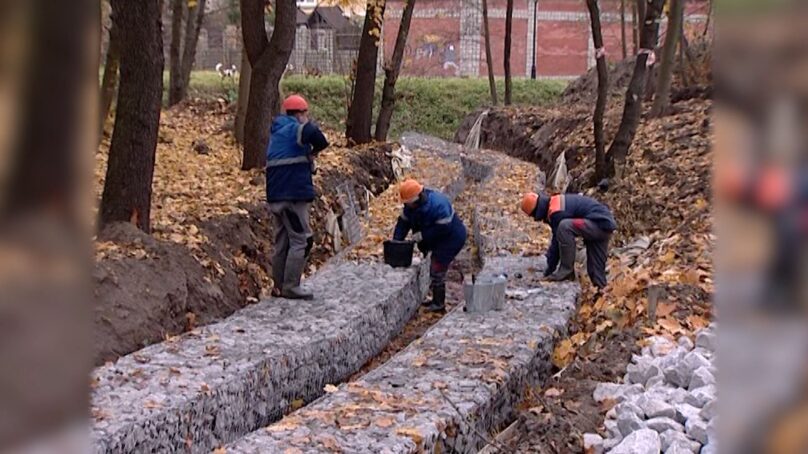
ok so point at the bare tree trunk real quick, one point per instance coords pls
(623, 28)
(682, 64)
(268, 59)
(128, 184)
(391, 73)
(51, 85)
(51, 114)
(709, 20)
(360, 112)
(243, 95)
(616, 156)
(507, 51)
(109, 83)
(601, 171)
(637, 19)
(642, 8)
(492, 84)
(175, 53)
(672, 37)
(192, 27)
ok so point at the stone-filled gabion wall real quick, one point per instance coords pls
(219, 382)
(461, 379)
(229, 378)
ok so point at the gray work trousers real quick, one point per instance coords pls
(293, 242)
(596, 241)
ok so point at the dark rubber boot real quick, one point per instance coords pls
(291, 283)
(438, 303)
(562, 275)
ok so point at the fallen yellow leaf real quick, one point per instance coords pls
(670, 325)
(411, 432)
(665, 309)
(297, 403)
(385, 422)
(563, 353)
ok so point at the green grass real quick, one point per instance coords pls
(433, 106)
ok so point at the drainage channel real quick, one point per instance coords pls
(468, 262)
(461, 380)
(210, 386)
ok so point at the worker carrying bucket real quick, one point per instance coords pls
(436, 228)
(569, 216)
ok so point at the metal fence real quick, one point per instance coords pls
(324, 51)
(316, 51)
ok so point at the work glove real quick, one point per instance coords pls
(417, 237)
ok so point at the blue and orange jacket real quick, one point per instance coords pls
(442, 230)
(289, 159)
(553, 210)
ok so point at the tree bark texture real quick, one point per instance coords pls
(641, 9)
(492, 84)
(43, 171)
(194, 23)
(662, 99)
(268, 59)
(175, 79)
(507, 51)
(635, 26)
(109, 83)
(243, 95)
(682, 64)
(616, 156)
(50, 86)
(623, 28)
(128, 184)
(391, 72)
(601, 171)
(360, 112)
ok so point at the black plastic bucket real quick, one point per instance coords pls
(398, 254)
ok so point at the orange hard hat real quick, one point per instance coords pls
(409, 190)
(295, 102)
(529, 202)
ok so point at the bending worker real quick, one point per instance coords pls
(290, 191)
(436, 228)
(571, 215)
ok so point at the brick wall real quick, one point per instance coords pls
(563, 44)
(428, 47)
(518, 48)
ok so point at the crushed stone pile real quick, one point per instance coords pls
(667, 401)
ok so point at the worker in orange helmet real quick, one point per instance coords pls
(293, 144)
(436, 228)
(570, 216)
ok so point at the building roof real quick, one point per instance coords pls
(302, 18)
(329, 17)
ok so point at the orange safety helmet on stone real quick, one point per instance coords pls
(409, 190)
(295, 102)
(529, 202)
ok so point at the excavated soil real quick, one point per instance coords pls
(556, 417)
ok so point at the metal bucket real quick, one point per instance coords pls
(485, 294)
